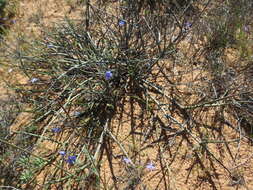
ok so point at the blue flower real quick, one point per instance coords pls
(126, 160)
(34, 80)
(108, 75)
(150, 166)
(122, 23)
(77, 113)
(187, 25)
(71, 160)
(50, 45)
(56, 130)
(62, 152)
(13, 21)
(246, 29)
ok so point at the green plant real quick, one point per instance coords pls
(30, 166)
(26, 176)
(2, 6)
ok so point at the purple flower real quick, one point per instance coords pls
(56, 130)
(34, 80)
(71, 160)
(13, 21)
(150, 166)
(246, 29)
(50, 45)
(62, 152)
(108, 75)
(77, 113)
(187, 25)
(126, 160)
(122, 23)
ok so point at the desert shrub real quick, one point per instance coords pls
(160, 64)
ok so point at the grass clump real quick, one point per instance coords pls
(8, 9)
(128, 90)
